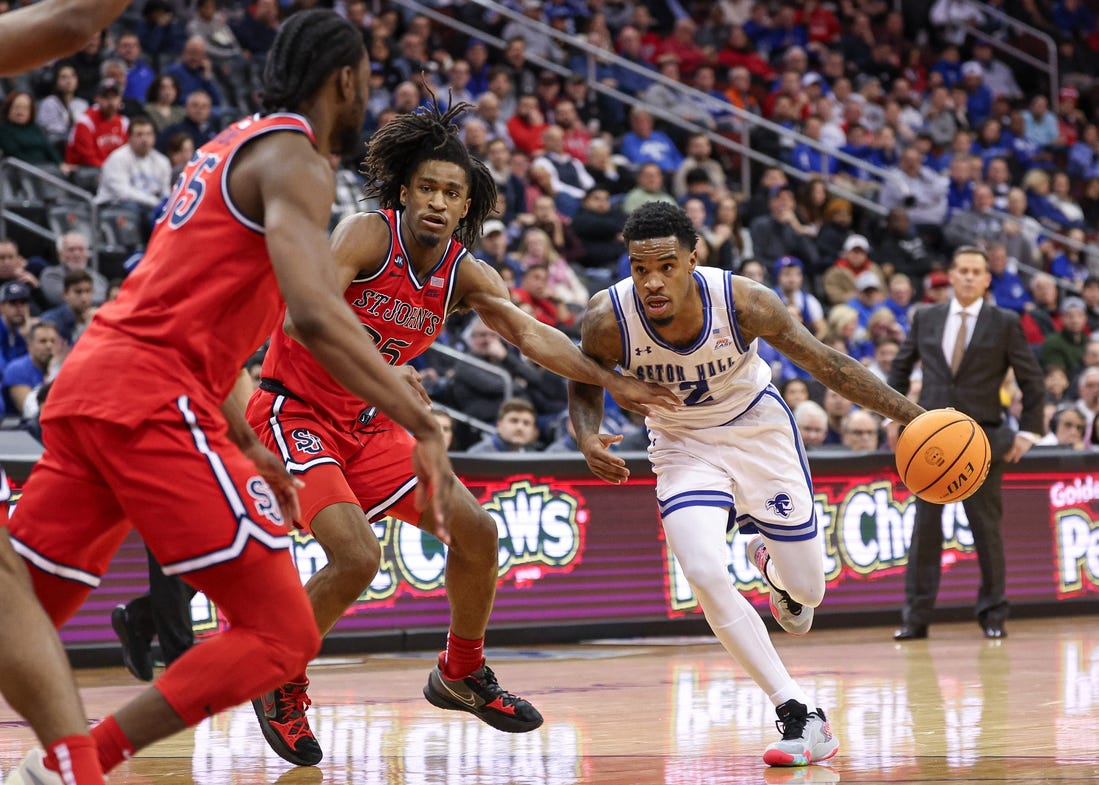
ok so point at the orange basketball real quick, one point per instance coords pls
(943, 456)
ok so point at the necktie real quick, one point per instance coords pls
(959, 346)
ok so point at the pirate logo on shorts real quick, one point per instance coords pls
(781, 503)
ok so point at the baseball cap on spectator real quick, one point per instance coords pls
(558, 12)
(492, 226)
(867, 280)
(937, 278)
(812, 77)
(1069, 93)
(972, 68)
(787, 261)
(14, 290)
(1073, 304)
(856, 241)
(108, 86)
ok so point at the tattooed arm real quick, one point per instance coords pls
(760, 314)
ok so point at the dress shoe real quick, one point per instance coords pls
(911, 632)
(137, 654)
(994, 630)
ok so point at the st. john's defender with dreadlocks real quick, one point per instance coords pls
(405, 268)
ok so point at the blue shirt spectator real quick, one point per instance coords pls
(644, 144)
(15, 298)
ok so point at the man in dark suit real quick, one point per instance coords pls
(965, 347)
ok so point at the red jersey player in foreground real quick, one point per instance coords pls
(141, 429)
(404, 268)
(35, 677)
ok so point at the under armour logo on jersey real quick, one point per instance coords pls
(646, 350)
(306, 441)
(266, 503)
(782, 504)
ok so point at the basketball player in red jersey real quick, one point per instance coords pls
(35, 677)
(405, 269)
(141, 427)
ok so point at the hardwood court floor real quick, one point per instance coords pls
(954, 708)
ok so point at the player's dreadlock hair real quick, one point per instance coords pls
(398, 148)
(309, 46)
(660, 219)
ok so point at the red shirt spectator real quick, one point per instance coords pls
(101, 130)
(821, 24)
(682, 44)
(526, 126)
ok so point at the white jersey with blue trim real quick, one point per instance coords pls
(717, 377)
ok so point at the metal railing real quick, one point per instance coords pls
(596, 54)
(1049, 66)
(78, 194)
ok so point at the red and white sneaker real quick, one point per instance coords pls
(281, 714)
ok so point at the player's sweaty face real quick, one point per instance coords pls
(661, 271)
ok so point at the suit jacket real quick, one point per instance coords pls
(997, 344)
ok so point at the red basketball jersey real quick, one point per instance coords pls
(402, 313)
(201, 301)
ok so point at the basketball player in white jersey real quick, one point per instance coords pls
(731, 453)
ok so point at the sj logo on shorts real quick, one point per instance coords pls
(306, 441)
(782, 504)
(264, 498)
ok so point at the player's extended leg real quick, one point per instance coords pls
(696, 536)
(461, 680)
(271, 633)
(353, 555)
(34, 673)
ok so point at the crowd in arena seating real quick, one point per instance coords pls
(966, 145)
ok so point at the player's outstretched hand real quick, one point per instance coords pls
(433, 469)
(283, 484)
(603, 463)
(638, 396)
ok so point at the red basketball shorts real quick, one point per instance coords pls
(370, 465)
(194, 497)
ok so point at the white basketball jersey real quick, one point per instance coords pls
(717, 377)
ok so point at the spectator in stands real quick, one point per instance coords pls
(569, 174)
(534, 296)
(20, 136)
(649, 188)
(644, 144)
(731, 239)
(1061, 197)
(76, 310)
(255, 31)
(978, 224)
(812, 423)
(978, 102)
(114, 68)
(959, 188)
(1007, 288)
(699, 155)
(900, 299)
(868, 296)
(1065, 348)
(671, 99)
(1037, 186)
(162, 102)
(194, 71)
(516, 430)
(1089, 293)
(72, 252)
(101, 130)
(1071, 263)
(598, 226)
(606, 171)
(998, 77)
(211, 24)
(15, 320)
(493, 248)
(13, 267)
(1043, 317)
(839, 280)
(59, 111)
(86, 63)
(837, 408)
(527, 125)
(1083, 157)
(161, 34)
(139, 74)
(861, 431)
(1087, 399)
(1067, 428)
(790, 279)
(24, 375)
(899, 249)
(940, 122)
(136, 175)
(179, 148)
(918, 190)
(780, 233)
(198, 122)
